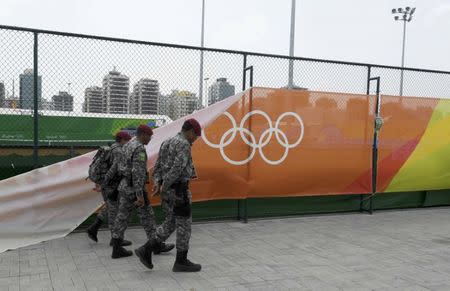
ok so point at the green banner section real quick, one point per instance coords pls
(18, 129)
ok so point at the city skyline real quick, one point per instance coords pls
(115, 96)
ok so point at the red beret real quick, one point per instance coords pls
(123, 135)
(143, 128)
(195, 125)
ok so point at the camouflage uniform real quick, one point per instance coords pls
(110, 185)
(132, 186)
(175, 165)
(103, 214)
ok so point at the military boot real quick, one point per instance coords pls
(92, 230)
(144, 253)
(165, 247)
(118, 250)
(123, 243)
(182, 264)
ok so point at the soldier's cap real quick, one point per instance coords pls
(123, 135)
(195, 125)
(145, 129)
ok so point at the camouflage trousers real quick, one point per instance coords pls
(109, 211)
(145, 214)
(173, 222)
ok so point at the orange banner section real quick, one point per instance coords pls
(279, 142)
(334, 151)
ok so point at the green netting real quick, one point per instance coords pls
(398, 200)
(270, 207)
(437, 198)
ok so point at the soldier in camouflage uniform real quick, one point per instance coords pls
(132, 192)
(109, 189)
(173, 171)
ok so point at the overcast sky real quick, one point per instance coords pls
(349, 30)
(352, 30)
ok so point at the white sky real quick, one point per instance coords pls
(353, 30)
(349, 30)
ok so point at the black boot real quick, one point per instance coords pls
(118, 250)
(182, 264)
(93, 229)
(165, 247)
(123, 243)
(144, 253)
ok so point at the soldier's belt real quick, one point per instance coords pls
(181, 190)
(180, 185)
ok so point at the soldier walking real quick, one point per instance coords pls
(109, 188)
(173, 171)
(132, 192)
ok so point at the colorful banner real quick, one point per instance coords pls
(279, 142)
(414, 146)
(260, 143)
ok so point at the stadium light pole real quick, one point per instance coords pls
(202, 40)
(404, 15)
(291, 46)
(206, 90)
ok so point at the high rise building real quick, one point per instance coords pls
(62, 102)
(26, 90)
(2, 94)
(115, 93)
(220, 90)
(165, 105)
(178, 104)
(47, 105)
(144, 99)
(93, 100)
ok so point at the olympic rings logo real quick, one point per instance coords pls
(229, 136)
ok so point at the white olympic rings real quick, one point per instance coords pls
(228, 137)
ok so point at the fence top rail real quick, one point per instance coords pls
(124, 40)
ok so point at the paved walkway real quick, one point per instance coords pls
(398, 250)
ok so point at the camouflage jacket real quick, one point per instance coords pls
(174, 163)
(134, 168)
(112, 177)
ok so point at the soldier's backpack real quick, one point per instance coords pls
(100, 164)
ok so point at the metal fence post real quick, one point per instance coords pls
(369, 71)
(36, 103)
(244, 73)
(244, 81)
(375, 146)
(244, 85)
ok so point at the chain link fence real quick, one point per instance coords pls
(86, 88)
